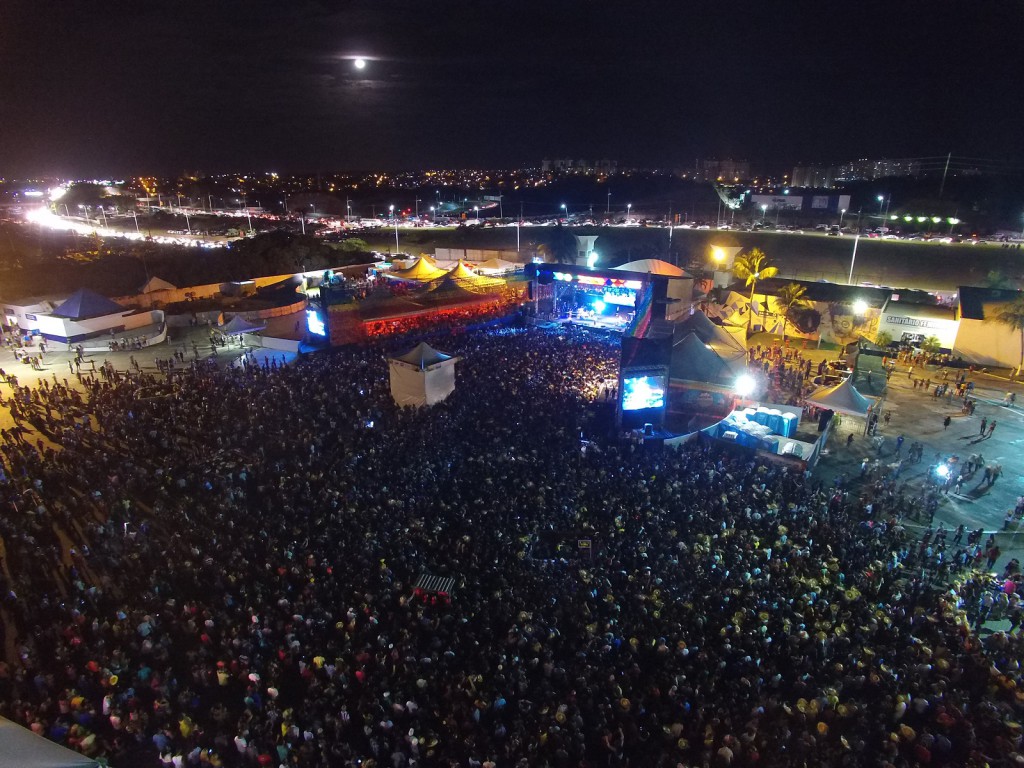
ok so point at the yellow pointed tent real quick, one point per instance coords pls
(462, 272)
(422, 271)
(462, 275)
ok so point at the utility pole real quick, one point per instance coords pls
(519, 223)
(945, 170)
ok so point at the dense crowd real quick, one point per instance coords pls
(219, 568)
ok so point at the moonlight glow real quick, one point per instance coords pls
(360, 63)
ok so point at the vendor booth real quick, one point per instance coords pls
(421, 376)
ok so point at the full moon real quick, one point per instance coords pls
(360, 63)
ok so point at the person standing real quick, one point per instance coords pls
(991, 428)
(993, 553)
(946, 422)
(984, 424)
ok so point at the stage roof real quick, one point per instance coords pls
(652, 267)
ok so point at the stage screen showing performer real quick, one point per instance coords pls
(642, 392)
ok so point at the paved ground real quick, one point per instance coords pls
(919, 416)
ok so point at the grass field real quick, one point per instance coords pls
(895, 263)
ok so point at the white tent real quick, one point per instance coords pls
(842, 398)
(21, 748)
(497, 266)
(238, 325)
(155, 284)
(422, 376)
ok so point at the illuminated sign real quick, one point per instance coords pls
(914, 321)
(314, 323)
(589, 280)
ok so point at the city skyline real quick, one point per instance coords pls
(271, 86)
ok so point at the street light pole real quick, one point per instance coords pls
(764, 212)
(629, 208)
(608, 207)
(519, 223)
(394, 219)
(853, 259)
(135, 216)
(477, 209)
(566, 209)
(842, 212)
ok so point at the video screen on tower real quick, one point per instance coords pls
(642, 392)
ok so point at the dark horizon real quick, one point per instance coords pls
(118, 89)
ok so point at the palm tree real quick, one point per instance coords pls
(791, 298)
(1013, 316)
(883, 339)
(752, 267)
(931, 345)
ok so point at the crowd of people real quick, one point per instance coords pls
(219, 568)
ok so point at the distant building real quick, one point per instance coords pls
(724, 170)
(869, 170)
(580, 166)
(826, 177)
(814, 176)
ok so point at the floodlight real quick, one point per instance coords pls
(745, 384)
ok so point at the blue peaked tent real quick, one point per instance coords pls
(83, 304)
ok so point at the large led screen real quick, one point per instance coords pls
(642, 392)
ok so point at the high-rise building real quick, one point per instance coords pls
(721, 170)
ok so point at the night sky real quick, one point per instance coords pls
(107, 87)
